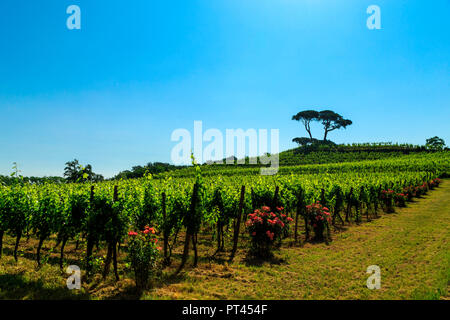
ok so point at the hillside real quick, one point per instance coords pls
(290, 160)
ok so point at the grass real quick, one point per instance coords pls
(410, 246)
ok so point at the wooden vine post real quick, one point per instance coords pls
(1, 242)
(275, 198)
(115, 237)
(298, 212)
(165, 231)
(90, 240)
(16, 246)
(337, 207)
(112, 245)
(349, 205)
(238, 224)
(189, 227)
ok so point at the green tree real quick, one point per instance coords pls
(75, 172)
(304, 141)
(435, 144)
(306, 117)
(332, 121)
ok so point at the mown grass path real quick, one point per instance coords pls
(411, 247)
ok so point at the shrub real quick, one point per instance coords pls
(408, 192)
(388, 197)
(400, 199)
(421, 190)
(434, 183)
(143, 254)
(319, 218)
(266, 228)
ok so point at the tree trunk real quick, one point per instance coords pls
(325, 135)
(308, 129)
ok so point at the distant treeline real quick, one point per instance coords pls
(151, 168)
(318, 152)
(8, 180)
(359, 147)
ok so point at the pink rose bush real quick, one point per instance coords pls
(143, 253)
(319, 218)
(266, 229)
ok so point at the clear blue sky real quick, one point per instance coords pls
(111, 93)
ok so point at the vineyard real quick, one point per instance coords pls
(206, 202)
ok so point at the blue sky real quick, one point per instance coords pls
(112, 93)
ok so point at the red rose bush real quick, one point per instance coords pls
(267, 229)
(143, 253)
(319, 218)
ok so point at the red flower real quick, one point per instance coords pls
(270, 234)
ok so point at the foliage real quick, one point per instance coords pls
(319, 218)
(103, 212)
(75, 172)
(149, 168)
(388, 198)
(400, 199)
(435, 144)
(330, 120)
(266, 228)
(306, 117)
(143, 254)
